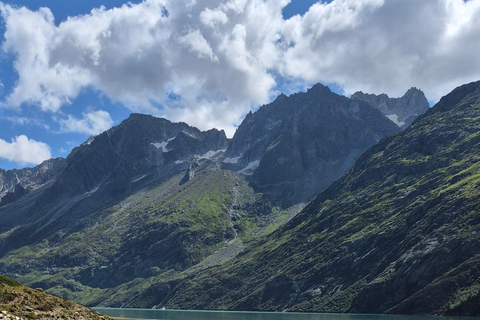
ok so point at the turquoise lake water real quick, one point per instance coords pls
(149, 314)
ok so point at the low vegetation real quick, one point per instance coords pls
(21, 302)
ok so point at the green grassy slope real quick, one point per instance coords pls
(398, 234)
(158, 235)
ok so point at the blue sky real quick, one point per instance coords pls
(67, 72)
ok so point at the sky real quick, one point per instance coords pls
(70, 70)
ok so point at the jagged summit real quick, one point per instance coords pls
(402, 111)
(298, 145)
(319, 88)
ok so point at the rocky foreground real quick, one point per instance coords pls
(21, 302)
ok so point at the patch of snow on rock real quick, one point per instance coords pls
(138, 179)
(250, 167)
(231, 160)
(92, 191)
(394, 119)
(162, 145)
(209, 155)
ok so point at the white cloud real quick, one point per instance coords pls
(24, 151)
(197, 43)
(213, 18)
(210, 62)
(144, 54)
(92, 123)
(386, 46)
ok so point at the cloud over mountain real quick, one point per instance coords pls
(92, 123)
(24, 150)
(210, 62)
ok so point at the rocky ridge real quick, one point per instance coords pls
(297, 146)
(16, 183)
(402, 111)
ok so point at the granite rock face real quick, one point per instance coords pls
(402, 111)
(297, 146)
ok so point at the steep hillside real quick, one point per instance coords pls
(398, 234)
(21, 302)
(402, 111)
(100, 173)
(157, 233)
(297, 146)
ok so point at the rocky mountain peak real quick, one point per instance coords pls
(402, 111)
(298, 145)
(29, 178)
(319, 89)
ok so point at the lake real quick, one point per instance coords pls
(153, 314)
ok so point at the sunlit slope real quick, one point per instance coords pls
(398, 234)
(21, 302)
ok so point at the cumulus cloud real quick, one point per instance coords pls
(158, 56)
(24, 151)
(92, 123)
(386, 46)
(210, 62)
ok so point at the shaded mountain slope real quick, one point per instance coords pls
(163, 231)
(398, 234)
(297, 146)
(103, 171)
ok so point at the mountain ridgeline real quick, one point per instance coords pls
(297, 146)
(399, 233)
(141, 213)
(402, 111)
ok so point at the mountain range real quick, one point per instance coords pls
(152, 213)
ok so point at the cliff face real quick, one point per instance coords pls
(297, 146)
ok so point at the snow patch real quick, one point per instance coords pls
(250, 167)
(89, 141)
(231, 160)
(138, 179)
(190, 135)
(162, 145)
(89, 193)
(179, 161)
(394, 119)
(209, 155)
